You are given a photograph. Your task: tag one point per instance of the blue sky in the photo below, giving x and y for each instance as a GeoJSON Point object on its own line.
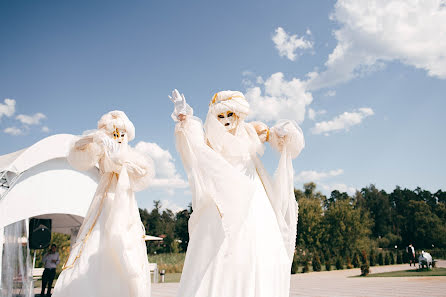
{"type": "Point", "coordinates": [364, 79]}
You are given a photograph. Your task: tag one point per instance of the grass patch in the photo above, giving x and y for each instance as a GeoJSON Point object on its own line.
{"type": "Point", "coordinates": [172, 278]}
{"type": "Point", "coordinates": [412, 272]}
{"type": "Point", "coordinates": [172, 263]}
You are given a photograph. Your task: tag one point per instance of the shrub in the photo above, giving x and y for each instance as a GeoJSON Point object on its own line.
{"type": "Point", "coordinates": [339, 263]}
{"type": "Point", "coordinates": [316, 263]}
{"type": "Point", "coordinates": [365, 268]}
{"type": "Point", "coordinates": [295, 264]}
{"type": "Point", "coordinates": [327, 264]}
{"type": "Point", "coordinates": [349, 263]}
{"type": "Point", "coordinates": [356, 260]}
{"type": "Point", "coordinates": [306, 267]}
{"type": "Point", "coordinates": [387, 259]}
{"type": "Point", "coordinates": [327, 255]}
{"type": "Point", "coordinates": [392, 258]}
{"type": "Point", "coordinates": [380, 259]}
{"type": "Point", "coordinates": [372, 258]}
{"type": "Point", "coordinates": [322, 259]}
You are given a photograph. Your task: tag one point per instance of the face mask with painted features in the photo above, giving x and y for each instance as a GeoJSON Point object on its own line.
{"type": "Point", "coordinates": [120, 136]}
{"type": "Point", "coordinates": [228, 120]}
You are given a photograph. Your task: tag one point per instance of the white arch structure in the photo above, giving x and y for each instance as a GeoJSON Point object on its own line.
{"type": "Point", "coordinates": [38, 182]}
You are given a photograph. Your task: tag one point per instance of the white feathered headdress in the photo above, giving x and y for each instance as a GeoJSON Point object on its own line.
{"type": "Point", "coordinates": [117, 119]}
{"type": "Point", "coordinates": [229, 101]}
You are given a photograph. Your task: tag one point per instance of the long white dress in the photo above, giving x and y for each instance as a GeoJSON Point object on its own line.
{"type": "Point", "coordinates": [109, 257]}
{"type": "Point", "coordinates": [243, 228]}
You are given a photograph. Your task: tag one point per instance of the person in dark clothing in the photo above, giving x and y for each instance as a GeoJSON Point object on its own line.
{"type": "Point", "coordinates": [411, 254]}
{"type": "Point", "coordinates": [50, 262]}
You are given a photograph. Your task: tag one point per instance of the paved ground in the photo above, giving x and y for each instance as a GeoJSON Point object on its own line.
{"type": "Point", "coordinates": [338, 283]}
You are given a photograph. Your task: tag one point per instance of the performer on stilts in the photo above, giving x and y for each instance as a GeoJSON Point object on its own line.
{"type": "Point", "coordinates": [109, 258]}
{"type": "Point", "coordinates": [243, 226]}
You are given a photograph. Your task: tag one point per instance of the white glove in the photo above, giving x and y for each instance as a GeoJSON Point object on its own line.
{"type": "Point", "coordinates": [110, 146]}
{"type": "Point", "coordinates": [281, 130]}
{"type": "Point", "coordinates": [180, 105]}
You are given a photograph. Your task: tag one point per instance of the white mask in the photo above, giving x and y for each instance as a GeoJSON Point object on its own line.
{"type": "Point", "coordinates": [120, 136]}
{"type": "Point", "coordinates": [228, 120]}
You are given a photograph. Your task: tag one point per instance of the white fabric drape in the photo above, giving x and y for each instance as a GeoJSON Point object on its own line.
{"type": "Point", "coordinates": [109, 257]}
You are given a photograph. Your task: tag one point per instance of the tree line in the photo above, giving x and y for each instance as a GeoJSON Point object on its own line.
{"type": "Point", "coordinates": [339, 224]}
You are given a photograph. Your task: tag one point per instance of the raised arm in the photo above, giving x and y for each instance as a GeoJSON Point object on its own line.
{"type": "Point", "coordinates": [189, 134]}
{"type": "Point", "coordinates": [181, 108]}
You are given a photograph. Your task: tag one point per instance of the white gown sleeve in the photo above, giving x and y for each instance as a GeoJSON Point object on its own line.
{"type": "Point", "coordinates": [288, 139]}
{"type": "Point", "coordinates": [140, 169]}
{"type": "Point", "coordinates": [84, 154]}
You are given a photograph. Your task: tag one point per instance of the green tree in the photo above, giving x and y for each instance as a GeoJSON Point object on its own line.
{"type": "Point", "coordinates": [378, 204]}
{"type": "Point", "coordinates": [347, 228]}
{"type": "Point", "coordinates": [372, 258]}
{"type": "Point", "coordinates": [387, 259]}
{"type": "Point", "coordinates": [380, 259]}
{"type": "Point", "coordinates": [339, 263]}
{"type": "Point", "coordinates": [310, 223]}
{"type": "Point", "coordinates": [365, 268]}
{"type": "Point", "coordinates": [327, 264]}
{"type": "Point", "coordinates": [316, 262]}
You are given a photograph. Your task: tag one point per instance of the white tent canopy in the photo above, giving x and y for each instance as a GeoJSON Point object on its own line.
{"type": "Point", "coordinates": [38, 180]}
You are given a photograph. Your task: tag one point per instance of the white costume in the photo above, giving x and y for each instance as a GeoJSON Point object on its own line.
{"type": "Point", "coordinates": [109, 257]}
{"type": "Point", "coordinates": [243, 226]}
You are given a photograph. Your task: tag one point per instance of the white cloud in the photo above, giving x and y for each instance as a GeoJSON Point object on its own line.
{"type": "Point", "coordinates": [7, 108]}
{"type": "Point", "coordinates": [373, 32]}
{"type": "Point", "coordinates": [167, 204]}
{"type": "Point", "coordinates": [313, 113]}
{"type": "Point", "coordinates": [13, 131]}
{"type": "Point", "coordinates": [320, 177]}
{"type": "Point", "coordinates": [314, 176]}
{"type": "Point", "coordinates": [340, 187]}
{"type": "Point", "coordinates": [31, 120]}
{"type": "Point", "coordinates": [330, 93]}
{"type": "Point", "coordinates": [166, 174]}
{"type": "Point", "coordinates": [343, 121]}
{"type": "Point", "coordinates": [280, 99]}
{"type": "Point", "coordinates": [45, 129]}
{"type": "Point", "coordinates": [288, 44]}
